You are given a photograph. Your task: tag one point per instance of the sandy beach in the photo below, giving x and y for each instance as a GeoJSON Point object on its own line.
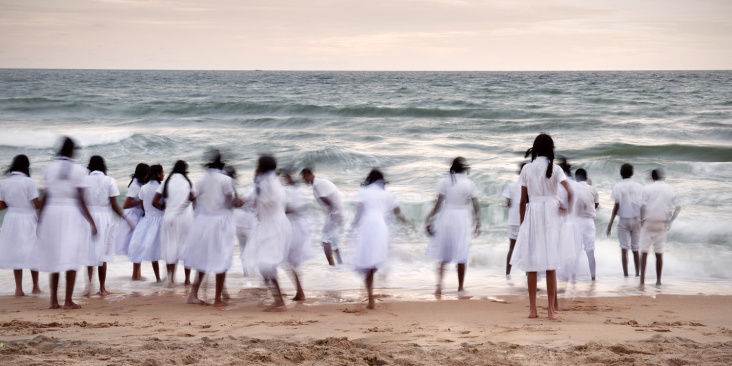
{"type": "Point", "coordinates": [160, 329]}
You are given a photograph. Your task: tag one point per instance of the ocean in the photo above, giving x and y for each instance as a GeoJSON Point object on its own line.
{"type": "Point", "coordinates": [411, 125]}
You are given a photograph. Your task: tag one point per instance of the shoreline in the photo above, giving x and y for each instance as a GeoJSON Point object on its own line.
{"type": "Point", "coordinates": [162, 329]}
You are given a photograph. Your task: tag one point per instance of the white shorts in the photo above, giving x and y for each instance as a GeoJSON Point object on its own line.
{"type": "Point", "coordinates": [332, 230]}
{"type": "Point", "coordinates": [586, 227]}
{"type": "Point", "coordinates": [513, 231]}
{"type": "Point", "coordinates": [654, 235]}
{"type": "Point", "coordinates": [629, 233]}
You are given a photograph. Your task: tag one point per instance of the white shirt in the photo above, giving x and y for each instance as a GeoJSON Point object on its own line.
{"type": "Point", "coordinates": [376, 200]}
{"type": "Point", "coordinates": [178, 194]}
{"type": "Point", "coordinates": [659, 201]}
{"type": "Point", "coordinates": [99, 188]}
{"type": "Point", "coordinates": [62, 179]}
{"type": "Point", "coordinates": [513, 193]}
{"type": "Point", "coordinates": [628, 195]}
{"type": "Point", "coordinates": [18, 191]}
{"type": "Point", "coordinates": [147, 194]}
{"type": "Point", "coordinates": [533, 177]}
{"type": "Point", "coordinates": [212, 191]}
{"type": "Point", "coordinates": [586, 198]}
{"type": "Point", "coordinates": [323, 188]}
{"type": "Point", "coordinates": [458, 190]}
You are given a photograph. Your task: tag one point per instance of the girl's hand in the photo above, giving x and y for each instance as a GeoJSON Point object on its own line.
{"type": "Point", "coordinates": [94, 229]}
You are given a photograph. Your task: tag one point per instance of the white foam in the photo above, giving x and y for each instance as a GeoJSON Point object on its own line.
{"type": "Point", "coordinates": [48, 139]}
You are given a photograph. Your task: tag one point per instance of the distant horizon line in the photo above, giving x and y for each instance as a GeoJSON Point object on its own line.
{"type": "Point", "coordinates": [325, 70]}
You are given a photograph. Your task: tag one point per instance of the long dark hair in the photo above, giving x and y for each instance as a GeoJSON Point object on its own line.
{"type": "Point", "coordinates": [155, 170]}
{"type": "Point", "coordinates": [67, 147]}
{"type": "Point", "coordinates": [97, 163]}
{"type": "Point", "coordinates": [20, 164]}
{"type": "Point", "coordinates": [180, 167]}
{"type": "Point", "coordinates": [374, 176]}
{"type": "Point", "coordinates": [459, 165]}
{"type": "Point", "coordinates": [141, 172]}
{"type": "Point", "coordinates": [543, 146]}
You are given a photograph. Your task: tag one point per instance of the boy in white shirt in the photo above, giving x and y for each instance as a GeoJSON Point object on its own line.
{"type": "Point", "coordinates": [627, 196]}
{"type": "Point", "coordinates": [585, 204]}
{"type": "Point", "coordinates": [512, 192]}
{"type": "Point", "coordinates": [329, 197]}
{"type": "Point", "coordinates": [659, 210]}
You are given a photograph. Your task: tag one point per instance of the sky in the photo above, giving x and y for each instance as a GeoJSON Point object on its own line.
{"type": "Point", "coordinates": [367, 34]}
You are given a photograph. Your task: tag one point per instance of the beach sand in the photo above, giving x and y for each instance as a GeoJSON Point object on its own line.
{"type": "Point", "coordinates": [160, 329]}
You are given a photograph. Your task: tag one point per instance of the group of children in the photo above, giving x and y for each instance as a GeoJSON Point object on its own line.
{"type": "Point", "coordinates": [551, 219]}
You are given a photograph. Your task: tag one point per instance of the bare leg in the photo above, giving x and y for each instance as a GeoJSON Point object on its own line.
{"type": "Point", "coordinates": [510, 253]}
{"type": "Point", "coordinates": [193, 295]}
{"type": "Point", "coordinates": [102, 271]}
{"type": "Point", "coordinates": [370, 288]}
{"type": "Point", "coordinates": [300, 295]}
{"type": "Point", "coordinates": [461, 276]}
{"type": "Point", "coordinates": [220, 277]}
{"type": "Point", "coordinates": [328, 253]}
{"type": "Point", "coordinates": [136, 272]}
{"type": "Point", "coordinates": [644, 259]}
{"type": "Point", "coordinates": [338, 256]}
{"type": "Point", "coordinates": [53, 284]}
{"type": "Point", "coordinates": [171, 275]}
{"type": "Point", "coordinates": [440, 275]}
{"type": "Point", "coordinates": [18, 274]}
{"type": "Point", "coordinates": [156, 269]}
{"type": "Point", "coordinates": [551, 284]}
{"type": "Point", "coordinates": [659, 267]}
{"type": "Point", "coordinates": [591, 261]}
{"type": "Point", "coordinates": [187, 271]}
{"type": "Point", "coordinates": [279, 304]}
{"type": "Point", "coordinates": [90, 273]}
{"type": "Point", "coordinates": [36, 288]}
{"type": "Point", "coordinates": [624, 257]}
{"type": "Point", "coordinates": [532, 294]}
{"type": "Point", "coordinates": [635, 261]}
{"type": "Point", "coordinates": [70, 281]}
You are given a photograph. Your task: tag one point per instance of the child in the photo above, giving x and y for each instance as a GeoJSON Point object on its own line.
{"type": "Point", "coordinates": [145, 242]}
{"type": "Point", "coordinates": [659, 210]}
{"type": "Point", "coordinates": [300, 248]}
{"type": "Point", "coordinates": [18, 193]}
{"type": "Point", "coordinates": [452, 231]}
{"type": "Point", "coordinates": [329, 197]}
{"type": "Point", "coordinates": [537, 245]}
{"type": "Point", "coordinates": [627, 196]}
{"type": "Point", "coordinates": [175, 197]}
{"type": "Point", "coordinates": [512, 193]}
{"type": "Point", "coordinates": [585, 204]}
{"type": "Point", "coordinates": [375, 205]}
{"type": "Point", "coordinates": [101, 199]}
{"type": "Point", "coordinates": [133, 213]}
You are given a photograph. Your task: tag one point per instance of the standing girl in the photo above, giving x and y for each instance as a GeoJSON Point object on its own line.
{"type": "Point", "coordinates": [133, 213]}
{"type": "Point", "coordinates": [18, 193]}
{"type": "Point", "coordinates": [452, 231]}
{"type": "Point", "coordinates": [175, 197]}
{"type": "Point", "coordinates": [537, 245]}
{"type": "Point", "coordinates": [300, 245]}
{"type": "Point", "coordinates": [145, 242]}
{"type": "Point", "coordinates": [61, 225]}
{"type": "Point", "coordinates": [100, 196]}
{"type": "Point", "coordinates": [375, 205]}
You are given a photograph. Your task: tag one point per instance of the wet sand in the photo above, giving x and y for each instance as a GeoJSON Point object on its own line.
{"type": "Point", "coordinates": [160, 329]}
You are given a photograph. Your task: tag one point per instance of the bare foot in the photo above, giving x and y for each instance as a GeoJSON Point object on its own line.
{"type": "Point", "coordinates": [371, 305]}
{"type": "Point", "coordinates": [276, 308]}
{"type": "Point", "coordinates": [438, 292]}
{"type": "Point", "coordinates": [171, 285]}
{"type": "Point", "coordinates": [19, 293]}
{"type": "Point", "coordinates": [195, 301]}
{"type": "Point", "coordinates": [220, 304]}
{"type": "Point", "coordinates": [187, 283]}
{"type": "Point", "coordinates": [37, 291]}
{"type": "Point", "coordinates": [104, 293]}
{"type": "Point", "coordinates": [54, 306]}
{"type": "Point", "coordinates": [658, 284]}
{"type": "Point", "coordinates": [71, 305]}
{"type": "Point", "coordinates": [299, 297]}
{"type": "Point", "coordinates": [552, 315]}
{"type": "Point", "coordinates": [532, 314]}
{"type": "Point", "coordinates": [225, 295]}
{"type": "Point", "coordinates": [139, 278]}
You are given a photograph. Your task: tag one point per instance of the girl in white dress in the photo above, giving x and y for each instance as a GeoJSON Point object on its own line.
{"type": "Point", "coordinates": [210, 243]}
{"type": "Point", "coordinates": [133, 213]}
{"type": "Point", "coordinates": [18, 193]}
{"type": "Point", "coordinates": [145, 242]}
{"type": "Point", "coordinates": [300, 245]}
{"type": "Point", "coordinates": [100, 196]}
{"type": "Point", "coordinates": [538, 245]}
{"type": "Point", "coordinates": [269, 245]}
{"type": "Point", "coordinates": [370, 225]}
{"type": "Point", "coordinates": [452, 231]}
{"type": "Point", "coordinates": [61, 225]}
{"type": "Point", "coordinates": [175, 198]}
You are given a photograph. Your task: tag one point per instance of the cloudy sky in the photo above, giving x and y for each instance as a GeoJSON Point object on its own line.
{"type": "Point", "coordinates": [367, 34]}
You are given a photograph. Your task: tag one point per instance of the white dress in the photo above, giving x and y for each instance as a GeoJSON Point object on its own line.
{"type": "Point", "coordinates": [453, 226]}
{"type": "Point", "coordinates": [537, 246]}
{"type": "Point", "coordinates": [570, 243]}
{"type": "Point", "coordinates": [18, 232]}
{"type": "Point", "coordinates": [177, 219]}
{"type": "Point", "coordinates": [62, 227]}
{"type": "Point", "coordinates": [245, 218]}
{"type": "Point", "coordinates": [269, 245]}
{"type": "Point", "coordinates": [145, 242]}
{"type": "Point", "coordinates": [134, 214]}
{"type": "Point", "coordinates": [372, 232]}
{"type": "Point", "coordinates": [300, 246]}
{"type": "Point", "coordinates": [210, 244]}
{"type": "Point", "coordinates": [99, 248]}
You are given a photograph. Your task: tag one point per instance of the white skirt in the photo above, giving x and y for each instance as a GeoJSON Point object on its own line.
{"type": "Point", "coordinates": [300, 247]}
{"type": "Point", "coordinates": [17, 235]}
{"type": "Point", "coordinates": [245, 222]}
{"type": "Point", "coordinates": [145, 242]}
{"type": "Point", "coordinates": [268, 247]}
{"type": "Point", "coordinates": [124, 231]}
{"type": "Point", "coordinates": [537, 245]}
{"type": "Point", "coordinates": [61, 234]}
{"type": "Point", "coordinates": [99, 248]}
{"type": "Point", "coordinates": [173, 234]}
{"type": "Point", "coordinates": [451, 242]}
{"type": "Point", "coordinates": [371, 243]}
{"type": "Point", "coordinates": [210, 244]}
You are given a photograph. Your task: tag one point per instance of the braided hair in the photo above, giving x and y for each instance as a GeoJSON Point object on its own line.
{"type": "Point", "coordinates": [543, 146]}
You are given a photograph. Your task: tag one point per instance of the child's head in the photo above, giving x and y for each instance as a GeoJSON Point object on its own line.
{"type": "Point", "coordinates": [142, 170]}
{"type": "Point", "coordinates": [580, 175]}
{"type": "Point", "coordinates": [96, 163]}
{"type": "Point", "coordinates": [266, 164]}
{"type": "Point", "coordinates": [67, 148]}
{"type": "Point", "coordinates": [565, 165]}
{"type": "Point", "coordinates": [231, 172]}
{"type": "Point", "coordinates": [307, 175]}
{"type": "Point", "coordinates": [626, 171]}
{"type": "Point", "coordinates": [180, 167]}
{"type": "Point", "coordinates": [156, 173]}
{"type": "Point", "coordinates": [20, 164]}
{"type": "Point", "coordinates": [374, 176]}
{"type": "Point", "coordinates": [459, 165]}
{"type": "Point", "coordinates": [215, 160]}
{"type": "Point", "coordinates": [658, 174]}
{"type": "Point", "coordinates": [543, 146]}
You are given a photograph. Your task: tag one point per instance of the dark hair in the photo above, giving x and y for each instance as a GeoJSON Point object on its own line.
{"type": "Point", "coordinates": [459, 165]}
{"type": "Point", "coordinates": [626, 171]}
{"type": "Point", "coordinates": [155, 170]}
{"type": "Point", "coordinates": [565, 165]}
{"type": "Point", "coordinates": [521, 167]}
{"type": "Point", "coordinates": [266, 164]}
{"type": "Point", "coordinates": [97, 163]}
{"type": "Point", "coordinates": [67, 148]}
{"type": "Point", "coordinates": [231, 172]}
{"type": "Point", "coordinates": [658, 174]}
{"type": "Point", "coordinates": [215, 160]}
{"type": "Point", "coordinates": [374, 175]}
{"type": "Point", "coordinates": [141, 172]}
{"type": "Point", "coordinates": [20, 164]}
{"type": "Point", "coordinates": [543, 146]}
{"type": "Point", "coordinates": [306, 171]}
{"type": "Point", "coordinates": [580, 175]}
{"type": "Point", "coordinates": [180, 167]}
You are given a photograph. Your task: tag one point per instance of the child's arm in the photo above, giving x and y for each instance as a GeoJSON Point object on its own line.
{"type": "Point", "coordinates": [612, 218]}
